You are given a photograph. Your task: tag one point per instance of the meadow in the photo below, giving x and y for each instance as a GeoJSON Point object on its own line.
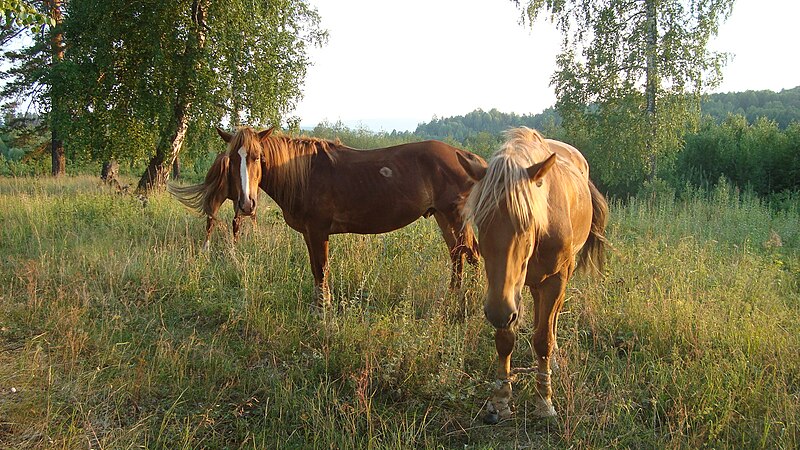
{"type": "Point", "coordinates": [117, 332]}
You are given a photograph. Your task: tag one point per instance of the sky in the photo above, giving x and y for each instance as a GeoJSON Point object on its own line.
{"type": "Point", "coordinates": [394, 64]}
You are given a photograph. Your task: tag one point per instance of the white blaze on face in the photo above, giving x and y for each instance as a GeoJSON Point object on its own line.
{"type": "Point", "coordinates": [243, 173]}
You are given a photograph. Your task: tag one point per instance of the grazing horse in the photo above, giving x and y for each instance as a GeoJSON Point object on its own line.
{"type": "Point", "coordinates": [208, 196]}
{"type": "Point", "coordinates": [325, 188]}
{"type": "Point", "coordinates": [535, 210]}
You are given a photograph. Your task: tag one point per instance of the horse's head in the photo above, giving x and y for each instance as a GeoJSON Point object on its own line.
{"type": "Point", "coordinates": [502, 207]}
{"type": "Point", "coordinates": [245, 153]}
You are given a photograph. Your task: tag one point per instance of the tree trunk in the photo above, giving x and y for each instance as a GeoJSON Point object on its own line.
{"type": "Point", "coordinates": [59, 160]}
{"type": "Point", "coordinates": [158, 169]}
{"type": "Point", "coordinates": [176, 169]}
{"type": "Point", "coordinates": [157, 172]}
{"type": "Point", "coordinates": [235, 119]}
{"type": "Point", "coordinates": [59, 167]}
{"type": "Point", "coordinates": [652, 84]}
{"type": "Point", "coordinates": [110, 171]}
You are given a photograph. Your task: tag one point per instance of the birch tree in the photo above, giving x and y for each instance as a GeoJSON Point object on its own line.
{"type": "Point", "coordinates": [630, 75]}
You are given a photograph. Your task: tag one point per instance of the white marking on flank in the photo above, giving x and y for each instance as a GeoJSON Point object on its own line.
{"type": "Point", "coordinates": [385, 171]}
{"type": "Point", "coordinates": [243, 173]}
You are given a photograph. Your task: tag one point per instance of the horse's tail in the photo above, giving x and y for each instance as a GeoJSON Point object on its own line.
{"type": "Point", "coordinates": [199, 197]}
{"type": "Point", "coordinates": [593, 254]}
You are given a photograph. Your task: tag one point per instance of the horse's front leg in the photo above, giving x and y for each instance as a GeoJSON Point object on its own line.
{"type": "Point", "coordinates": [553, 360]}
{"type": "Point", "coordinates": [550, 298]}
{"type": "Point", "coordinates": [499, 407]}
{"type": "Point", "coordinates": [460, 242]}
{"type": "Point", "coordinates": [317, 244]}
{"type": "Point", "coordinates": [237, 225]}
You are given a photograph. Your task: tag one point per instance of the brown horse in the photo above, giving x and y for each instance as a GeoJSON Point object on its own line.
{"type": "Point", "coordinates": [325, 188]}
{"type": "Point", "coordinates": [535, 210]}
{"type": "Point", "coordinates": [208, 196]}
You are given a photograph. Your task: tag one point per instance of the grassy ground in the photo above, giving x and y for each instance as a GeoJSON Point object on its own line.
{"type": "Point", "coordinates": [116, 331]}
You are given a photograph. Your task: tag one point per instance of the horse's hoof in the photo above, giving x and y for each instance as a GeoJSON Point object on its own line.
{"type": "Point", "coordinates": [491, 418]}
{"type": "Point", "coordinates": [545, 412]}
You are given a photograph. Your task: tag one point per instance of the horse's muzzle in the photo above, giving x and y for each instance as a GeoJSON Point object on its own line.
{"type": "Point", "coordinates": [500, 316]}
{"type": "Point", "coordinates": [247, 206]}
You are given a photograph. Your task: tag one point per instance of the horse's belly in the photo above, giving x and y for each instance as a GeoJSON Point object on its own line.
{"type": "Point", "coordinates": [374, 222]}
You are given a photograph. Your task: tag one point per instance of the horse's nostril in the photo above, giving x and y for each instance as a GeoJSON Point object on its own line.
{"type": "Point", "coordinates": [246, 206]}
{"type": "Point", "coordinates": [512, 319]}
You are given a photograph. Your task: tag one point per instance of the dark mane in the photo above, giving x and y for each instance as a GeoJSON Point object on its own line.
{"type": "Point", "coordinates": [287, 162]}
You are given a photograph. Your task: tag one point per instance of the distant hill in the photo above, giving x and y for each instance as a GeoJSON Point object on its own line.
{"type": "Point", "coordinates": [783, 107]}
{"type": "Point", "coordinates": [494, 122]}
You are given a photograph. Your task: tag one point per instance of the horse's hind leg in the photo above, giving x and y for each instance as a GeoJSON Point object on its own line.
{"type": "Point", "coordinates": [209, 227]}
{"type": "Point", "coordinates": [469, 243]}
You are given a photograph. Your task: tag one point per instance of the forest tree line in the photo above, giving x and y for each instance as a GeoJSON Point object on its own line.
{"type": "Point", "coordinates": [759, 152]}
{"type": "Point", "coordinates": [750, 138]}
{"type": "Point", "coordinates": [781, 107]}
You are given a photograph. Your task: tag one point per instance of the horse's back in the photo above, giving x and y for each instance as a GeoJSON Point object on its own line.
{"type": "Point", "coordinates": [571, 154]}
{"type": "Point", "coordinates": [430, 165]}
{"type": "Point", "coordinates": [379, 190]}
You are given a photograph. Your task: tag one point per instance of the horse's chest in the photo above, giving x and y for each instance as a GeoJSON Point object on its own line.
{"type": "Point", "coordinates": [548, 258]}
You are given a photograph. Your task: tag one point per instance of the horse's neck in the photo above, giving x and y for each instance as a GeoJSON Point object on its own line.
{"type": "Point", "coordinates": [289, 198]}
{"type": "Point", "coordinates": [277, 194]}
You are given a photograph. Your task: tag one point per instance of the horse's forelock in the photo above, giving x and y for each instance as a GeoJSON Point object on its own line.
{"type": "Point", "coordinates": [245, 138]}
{"type": "Point", "coordinates": [507, 181]}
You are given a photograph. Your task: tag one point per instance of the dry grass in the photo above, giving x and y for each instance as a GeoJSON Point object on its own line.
{"type": "Point", "coordinates": [117, 332]}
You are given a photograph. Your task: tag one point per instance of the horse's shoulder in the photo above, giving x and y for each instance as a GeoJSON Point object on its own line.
{"type": "Point", "coordinates": [552, 251]}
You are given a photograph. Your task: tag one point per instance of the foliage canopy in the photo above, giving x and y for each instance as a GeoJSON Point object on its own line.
{"type": "Point", "coordinates": [127, 63]}
{"type": "Point", "coordinates": [640, 66]}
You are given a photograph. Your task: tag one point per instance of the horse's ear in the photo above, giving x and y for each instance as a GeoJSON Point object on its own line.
{"type": "Point", "coordinates": [265, 134]}
{"type": "Point", "coordinates": [473, 165]}
{"type": "Point", "coordinates": [224, 135]}
{"type": "Point", "coordinates": [538, 170]}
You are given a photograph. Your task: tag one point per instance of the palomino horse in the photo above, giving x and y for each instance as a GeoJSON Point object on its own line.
{"type": "Point", "coordinates": [535, 210]}
{"type": "Point", "coordinates": [325, 188]}
{"type": "Point", "coordinates": [209, 195]}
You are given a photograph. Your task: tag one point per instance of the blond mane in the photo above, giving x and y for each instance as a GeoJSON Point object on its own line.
{"type": "Point", "coordinates": [507, 182]}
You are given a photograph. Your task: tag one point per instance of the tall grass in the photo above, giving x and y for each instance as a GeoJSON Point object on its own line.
{"type": "Point", "coordinates": [116, 331]}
